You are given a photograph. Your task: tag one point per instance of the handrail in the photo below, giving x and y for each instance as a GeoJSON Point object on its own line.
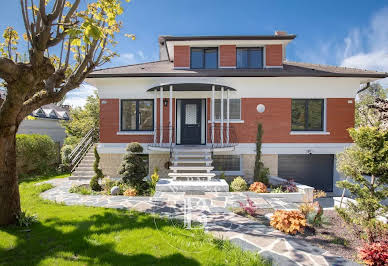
{"type": "Point", "coordinates": [83, 147]}
{"type": "Point", "coordinates": [224, 142]}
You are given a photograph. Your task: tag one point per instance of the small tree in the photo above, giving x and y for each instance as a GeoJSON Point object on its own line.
{"type": "Point", "coordinates": [133, 168]}
{"type": "Point", "coordinates": [366, 164]}
{"type": "Point", "coordinates": [260, 173]}
{"type": "Point", "coordinates": [94, 185]}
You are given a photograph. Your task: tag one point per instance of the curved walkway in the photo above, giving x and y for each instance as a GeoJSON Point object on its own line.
{"type": "Point", "coordinates": [212, 211]}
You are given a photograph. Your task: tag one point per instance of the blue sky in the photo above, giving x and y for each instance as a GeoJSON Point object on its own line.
{"type": "Point", "coordinates": [344, 33]}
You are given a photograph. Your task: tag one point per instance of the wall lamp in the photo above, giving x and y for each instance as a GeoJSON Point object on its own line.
{"type": "Point", "coordinates": [165, 102]}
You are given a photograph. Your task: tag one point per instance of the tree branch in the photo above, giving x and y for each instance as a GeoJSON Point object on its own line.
{"type": "Point", "coordinates": [365, 88]}
{"type": "Point", "coordinates": [8, 69]}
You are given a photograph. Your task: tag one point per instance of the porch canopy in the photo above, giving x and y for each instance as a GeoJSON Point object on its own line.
{"type": "Point", "coordinates": [193, 87]}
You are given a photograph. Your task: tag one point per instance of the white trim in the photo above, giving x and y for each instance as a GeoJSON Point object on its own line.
{"type": "Point", "coordinates": [309, 133]}
{"type": "Point", "coordinates": [222, 116]}
{"type": "Point", "coordinates": [135, 133]}
{"type": "Point", "coordinates": [264, 56]}
{"type": "Point", "coordinates": [170, 117]}
{"type": "Point", "coordinates": [155, 113]}
{"type": "Point", "coordinates": [161, 116]}
{"type": "Point", "coordinates": [325, 115]}
{"type": "Point", "coordinates": [274, 66]}
{"type": "Point", "coordinates": [231, 121]}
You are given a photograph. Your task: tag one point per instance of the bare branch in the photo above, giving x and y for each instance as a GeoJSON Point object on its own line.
{"type": "Point", "coordinates": [25, 19]}
{"type": "Point", "coordinates": [72, 10]}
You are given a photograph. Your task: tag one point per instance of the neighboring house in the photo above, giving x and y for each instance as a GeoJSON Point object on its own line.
{"type": "Point", "coordinates": [305, 109]}
{"type": "Point", "coordinates": [46, 121]}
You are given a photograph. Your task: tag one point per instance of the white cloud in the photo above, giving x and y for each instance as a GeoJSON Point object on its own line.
{"type": "Point", "coordinates": [128, 58]}
{"type": "Point", "coordinates": [77, 97]}
{"type": "Point", "coordinates": [141, 55]}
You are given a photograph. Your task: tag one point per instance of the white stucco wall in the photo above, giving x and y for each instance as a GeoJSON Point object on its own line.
{"type": "Point", "coordinates": [50, 127]}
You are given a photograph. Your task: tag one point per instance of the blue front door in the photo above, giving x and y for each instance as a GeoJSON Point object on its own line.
{"type": "Point", "coordinates": [191, 122]}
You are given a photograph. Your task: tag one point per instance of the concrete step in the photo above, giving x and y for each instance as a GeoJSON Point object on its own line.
{"type": "Point", "coordinates": [191, 149]}
{"type": "Point", "coordinates": [191, 155]}
{"type": "Point", "coordinates": [82, 173]}
{"type": "Point", "coordinates": [80, 177]}
{"type": "Point", "coordinates": [180, 161]}
{"type": "Point", "coordinates": [191, 168]}
{"type": "Point", "coordinates": [207, 176]}
{"type": "Point", "coordinates": [84, 168]}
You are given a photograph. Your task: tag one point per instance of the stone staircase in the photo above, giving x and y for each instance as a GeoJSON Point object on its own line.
{"type": "Point", "coordinates": [84, 170]}
{"type": "Point", "coordinates": [191, 163]}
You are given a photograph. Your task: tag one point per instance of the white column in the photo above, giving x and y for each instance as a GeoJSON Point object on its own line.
{"type": "Point", "coordinates": [212, 113]}
{"type": "Point", "coordinates": [161, 116]}
{"type": "Point", "coordinates": [227, 116]}
{"type": "Point", "coordinates": [155, 113]}
{"type": "Point", "coordinates": [170, 117]}
{"type": "Point", "coordinates": [222, 117]}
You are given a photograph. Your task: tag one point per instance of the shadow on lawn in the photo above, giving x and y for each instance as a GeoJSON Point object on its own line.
{"type": "Point", "coordinates": [77, 241]}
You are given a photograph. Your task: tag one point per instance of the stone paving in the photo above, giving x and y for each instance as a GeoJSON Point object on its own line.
{"type": "Point", "coordinates": [212, 210]}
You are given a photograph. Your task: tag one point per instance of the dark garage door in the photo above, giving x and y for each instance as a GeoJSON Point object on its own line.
{"type": "Point", "coordinates": [314, 170]}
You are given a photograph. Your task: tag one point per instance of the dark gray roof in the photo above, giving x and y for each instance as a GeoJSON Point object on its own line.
{"type": "Point", "coordinates": [228, 37]}
{"type": "Point", "coordinates": [290, 69]}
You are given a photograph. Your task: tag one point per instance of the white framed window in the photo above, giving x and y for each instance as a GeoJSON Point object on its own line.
{"type": "Point", "coordinates": [227, 163]}
{"type": "Point", "coordinates": [234, 106]}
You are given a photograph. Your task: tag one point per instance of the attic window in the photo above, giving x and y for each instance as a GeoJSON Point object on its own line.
{"type": "Point", "coordinates": [251, 57]}
{"type": "Point", "coordinates": [204, 58]}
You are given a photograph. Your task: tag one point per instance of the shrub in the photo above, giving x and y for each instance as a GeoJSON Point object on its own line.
{"type": "Point", "coordinates": [65, 153]}
{"type": "Point", "coordinates": [365, 163]}
{"type": "Point", "coordinates": [374, 253]}
{"type": "Point", "coordinates": [289, 186]}
{"type": "Point", "coordinates": [107, 184]}
{"type": "Point", "coordinates": [258, 187]}
{"type": "Point", "coordinates": [25, 220]}
{"type": "Point", "coordinates": [277, 190]}
{"type": "Point", "coordinates": [239, 184]}
{"type": "Point", "coordinates": [80, 190]}
{"type": "Point", "coordinates": [250, 208]}
{"type": "Point", "coordinates": [94, 185]}
{"type": "Point", "coordinates": [260, 172]}
{"type": "Point", "coordinates": [130, 192]}
{"type": "Point", "coordinates": [154, 180]}
{"type": "Point", "coordinates": [133, 168]}
{"type": "Point", "coordinates": [289, 222]}
{"type": "Point", "coordinates": [35, 153]}
{"type": "Point", "coordinates": [307, 207]}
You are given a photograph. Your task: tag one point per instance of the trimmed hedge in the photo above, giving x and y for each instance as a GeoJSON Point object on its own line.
{"type": "Point", "coordinates": [35, 153]}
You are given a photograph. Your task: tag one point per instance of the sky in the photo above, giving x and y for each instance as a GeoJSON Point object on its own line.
{"type": "Point", "coordinates": [335, 32]}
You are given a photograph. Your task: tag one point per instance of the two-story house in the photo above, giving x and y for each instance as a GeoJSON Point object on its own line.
{"type": "Point", "coordinates": [210, 93]}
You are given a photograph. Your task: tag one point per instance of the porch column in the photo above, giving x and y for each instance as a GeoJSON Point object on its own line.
{"type": "Point", "coordinates": [155, 113]}
{"type": "Point", "coordinates": [222, 117]}
{"type": "Point", "coordinates": [170, 117]}
{"type": "Point", "coordinates": [227, 116]}
{"type": "Point", "coordinates": [161, 116]}
{"type": "Point", "coordinates": [212, 112]}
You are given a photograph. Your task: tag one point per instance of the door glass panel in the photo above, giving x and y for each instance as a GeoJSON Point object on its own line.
{"type": "Point", "coordinates": [191, 114]}
{"type": "Point", "coordinates": [128, 115]}
{"type": "Point", "coordinates": [145, 115]}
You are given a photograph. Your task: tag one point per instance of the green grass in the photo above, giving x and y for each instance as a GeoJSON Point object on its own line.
{"type": "Point", "coordinates": [78, 235]}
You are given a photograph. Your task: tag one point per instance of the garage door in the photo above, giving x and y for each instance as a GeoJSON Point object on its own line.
{"type": "Point", "coordinates": [314, 170]}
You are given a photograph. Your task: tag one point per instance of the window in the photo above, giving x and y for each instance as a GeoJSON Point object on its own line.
{"type": "Point", "coordinates": [307, 115]}
{"type": "Point", "coordinates": [234, 109]}
{"type": "Point", "coordinates": [204, 58]}
{"type": "Point", "coordinates": [137, 115]}
{"type": "Point", "coordinates": [226, 163]}
{"type": "Point", "coordinates": [249, 57]}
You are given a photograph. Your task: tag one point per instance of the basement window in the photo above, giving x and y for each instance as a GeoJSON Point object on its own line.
{"type": "Point", "coordinates": [226, 163]}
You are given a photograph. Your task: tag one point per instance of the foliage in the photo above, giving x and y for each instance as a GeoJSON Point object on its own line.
{"type": "Point", "coordinates": [81, 235]}
{"type": "Point", "coordinates": [380, 107]}
{"type": "Point", "coordinates": [289, 222]}
{"type": "Point", "coordinates": [37, 153]}
{"type": "Point", "coordinates": [278, 189]}
{"type": "Point", "coordinates": [248, 208]}
{"type": "Point", "coordinates": [107, 184]}
{"type": "Point", "coordinates": [81, 190]}
{"type": "Point", "coordinates": [374, 253]}
{"type": "Point", "coordinates": [25, 220]}
{"type": "Point", "coordinates": [239, 184]}
{"type": "Point", "coordinates": [258, 187]}
{"type": "Point", "coordinates": [154, 180]}
{"type": "Point", "coordinates": [318, 194]}
{"type": "Point", "coordinates": [130, 192]}
{"type": "Point", "coordinates": [94, 185]}
{"type": "Point", "coordinates": [82, 119]}
{"type": "Point", "coordinates": [289, 186]}
{"type": "Point", "coordinates": [366, 164]}
{"type": "Point", "coordinates": [133, 168]}
{"type": "Point", "coordinates": [222, 175]}
{"type": "Point", "coordinates": [260, 172]}
{"type": "Point", "coordinates": [313, 210]}
{"type": "Point", "coordinates": [366, 116]}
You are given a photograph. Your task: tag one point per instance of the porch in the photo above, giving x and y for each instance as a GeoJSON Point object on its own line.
{"type": "Point", "coordinates": [192, 117]}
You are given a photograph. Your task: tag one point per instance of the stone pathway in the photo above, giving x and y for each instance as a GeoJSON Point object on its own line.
{"type": "Point", "coordinates": [212, 210]}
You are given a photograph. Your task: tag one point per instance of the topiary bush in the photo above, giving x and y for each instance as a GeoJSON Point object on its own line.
{"type": "Point", "coordinates": [290, 222]}
{"type": "Point", "coordinates": [133, 168]}
{"type": "Point", "coordinates": [258, 187]}
{"type": "Point", "coordinates": [94, 185]}
{"type": "Point", "coordinates": [35, 153]}
{"type": "Point", "coordinates": [239, 184]}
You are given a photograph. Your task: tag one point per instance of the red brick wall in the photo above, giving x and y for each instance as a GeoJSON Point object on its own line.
{"type": "Point", "coordinates": [274, 55]}
{"type": "Point", "coordinates": [227, 55]}
{"type": "Point", "coordinates": [276, 122]}
{"type": "Point", "coordinates": [181, 56]}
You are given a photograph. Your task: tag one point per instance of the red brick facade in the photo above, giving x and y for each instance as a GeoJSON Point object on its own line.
{"type": "Point", "coordinates": [228, 56]}
{"type": "Point", "coordinates": [276, 122]}
{"type": "Point", "coordinates": [274, 55]}
{"type": "Point", "coordinates": [182, 56]}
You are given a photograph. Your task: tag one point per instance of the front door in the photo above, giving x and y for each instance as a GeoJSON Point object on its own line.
{"type": "Point", "coordinates": [191, 121]}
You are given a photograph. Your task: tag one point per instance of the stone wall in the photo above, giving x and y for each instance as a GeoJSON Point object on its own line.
{"type": "Point", "coordinates": [159, 160]}
{"type": "Point", "coordinates": [248, 165]}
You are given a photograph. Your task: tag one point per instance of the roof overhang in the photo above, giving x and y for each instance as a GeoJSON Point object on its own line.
{"type": "Point", "coordinates": [191, 87]}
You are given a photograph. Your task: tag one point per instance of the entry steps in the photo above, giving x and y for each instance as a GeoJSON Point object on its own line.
{"type": "Point", "coordinates": [84, 169]}
{"type": "Point", "coordinates": [188, 163]}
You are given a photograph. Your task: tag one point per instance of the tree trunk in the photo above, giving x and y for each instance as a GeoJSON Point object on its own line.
{"type": "Point", "coordinates": [9, 188]}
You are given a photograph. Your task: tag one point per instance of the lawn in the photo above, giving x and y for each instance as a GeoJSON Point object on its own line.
{"type": "Point", "coordinates": [77, 235]}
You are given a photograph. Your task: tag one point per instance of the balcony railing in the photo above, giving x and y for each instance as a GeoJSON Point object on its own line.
{"type": "Point", "coordinates": [222, 136]}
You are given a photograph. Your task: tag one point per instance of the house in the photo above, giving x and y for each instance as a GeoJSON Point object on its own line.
{"type": "Point", "coordinates": [210, 93]}
{"type": "Point", "coordinates": [46, 121]}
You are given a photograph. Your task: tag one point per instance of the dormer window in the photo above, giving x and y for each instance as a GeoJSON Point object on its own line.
{"type": "Point", "coordinates": [204, 58]}
{"type": "Point", "coordinates": [251, 57]}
